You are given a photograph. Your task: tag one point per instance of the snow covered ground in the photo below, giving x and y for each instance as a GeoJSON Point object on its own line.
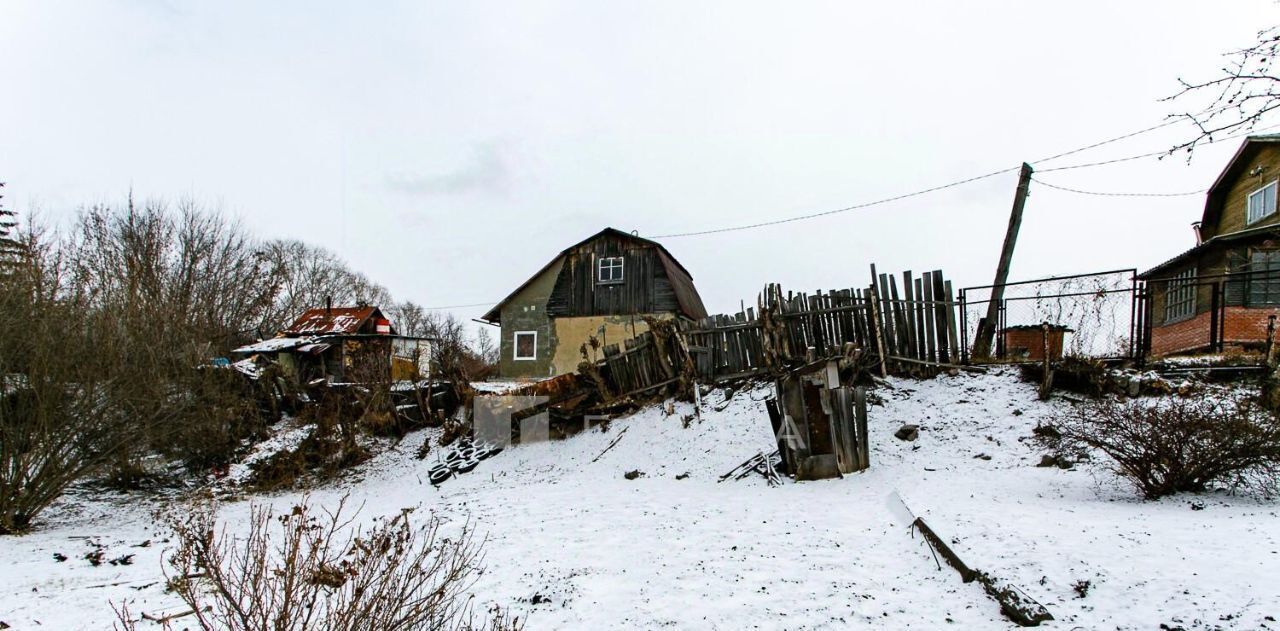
{"type": "Point", "coordinates": [573, 544]}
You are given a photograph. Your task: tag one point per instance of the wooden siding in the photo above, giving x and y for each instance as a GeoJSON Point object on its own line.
{"type": "Point", "coordinates": [645, 287]}
{"type": "Point", "coordinates": [1234, 214]}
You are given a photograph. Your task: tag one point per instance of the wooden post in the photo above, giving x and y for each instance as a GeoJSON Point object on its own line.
{"type": "Point", "coordinates": [987, 326]}
{"type": "Point", "coordinates": [875, 319]}
{"type": "Point", "coordinates": [1046, 380]}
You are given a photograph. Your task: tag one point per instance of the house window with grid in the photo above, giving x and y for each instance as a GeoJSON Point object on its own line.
{"type": "Point", "coordinates": [1264, 278]}
{"type": "Point", "coordinates": [1180, 297]}
{"type": "Point", "coordinates": [610, 270]}
{"type": "Point", "coordinates": [1262, 202]}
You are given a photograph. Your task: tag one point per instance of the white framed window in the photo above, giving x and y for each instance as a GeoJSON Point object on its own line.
{"type": "Point", "coordinates": [525, 346]}
{"type": "Point", "coordinates": [1180, 296]}
{"type": "Point", "coordinates": [1262, 202]}
{"type": "Point", "coordinates": [609, 269]}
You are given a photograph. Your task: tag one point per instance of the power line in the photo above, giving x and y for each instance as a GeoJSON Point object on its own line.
{"type": "Point", "coordinates": [895, 198]}
{"type": "Point", "coordinates": [966, 181]}
{"type": "Point", "coordinates": [446, 307]}
{"type": "Point", "coordinates": [838, 210]}
{"type": "Point", "coordinates": [1111, 140]}
{"type": "Point", "coordinates": [1140, 156]}
{"type": "Point", "coordinates": [1173, 120]}
{"type": "Point", "coordinates": [1107, 194]}
{"type": "Point", "coordinates": [1104, 162]}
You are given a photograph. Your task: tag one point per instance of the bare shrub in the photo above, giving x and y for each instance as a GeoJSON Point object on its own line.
{"type": "Point", "coordinates": [55, 424]}
{"type": "Point", "coordinates": [1178, 444]}
{"type": "Point", "coordinates": [332, 445]}
{"type": "Point", "coordinates": [313, 569]}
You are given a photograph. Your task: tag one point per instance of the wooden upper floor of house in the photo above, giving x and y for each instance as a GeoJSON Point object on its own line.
{"type": "Point", "coordinates": [1245, 194]}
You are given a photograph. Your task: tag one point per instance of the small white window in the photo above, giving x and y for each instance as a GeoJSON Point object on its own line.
{"type": "Point", "coordinates": [1262, 202]}
{"type": "Point", "coordinates": [610, 269]}
{"type": "Point", "coordinates": [526, 345]}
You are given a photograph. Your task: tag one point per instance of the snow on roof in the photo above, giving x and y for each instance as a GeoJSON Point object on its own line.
{"type": "Point", "coordinates": [272, 345]}
{"type": "Point", "coordinates": [248, 368]}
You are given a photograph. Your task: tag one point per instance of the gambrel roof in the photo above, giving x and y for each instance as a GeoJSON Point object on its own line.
{"type": "Point", "coordinates": [681, 280]}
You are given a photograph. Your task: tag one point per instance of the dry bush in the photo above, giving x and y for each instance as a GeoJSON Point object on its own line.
{"type": "Point", "coordinates": [333, 445]}
{"type": "Point", "coordinates": [312, 569]}
{"type": "Point", "coordinates": [1178, 444]}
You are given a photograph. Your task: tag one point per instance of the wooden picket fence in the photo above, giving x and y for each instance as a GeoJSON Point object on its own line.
{"type": "Point", "coordinates": [912, 332]}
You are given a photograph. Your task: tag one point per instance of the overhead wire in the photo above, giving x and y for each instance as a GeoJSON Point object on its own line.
{"type": "Point", "coordinates": [933, 189]}
{"type": "Point", "coordinates": [877, 202]}
{"type": "Point", "coordinates": [1113, 194]}
{"type": "Point", "coordinates": [940, 187]}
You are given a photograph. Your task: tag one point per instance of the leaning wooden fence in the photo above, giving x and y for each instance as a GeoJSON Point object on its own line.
{"type": "Point", "coordinates": [909, 331]}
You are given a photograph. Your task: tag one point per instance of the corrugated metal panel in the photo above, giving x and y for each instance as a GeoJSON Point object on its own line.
{"type": "Point", "coordinates": [337, 320]}
{"type": "Point", "coordinates": [272, 345]}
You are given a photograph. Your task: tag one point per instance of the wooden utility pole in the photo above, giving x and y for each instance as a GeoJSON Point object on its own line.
{"type": "Point", "coordinates": [987, 325]}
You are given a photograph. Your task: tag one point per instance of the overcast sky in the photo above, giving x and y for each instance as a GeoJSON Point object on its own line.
{"type": "Point", "coordinates": [449, 149]}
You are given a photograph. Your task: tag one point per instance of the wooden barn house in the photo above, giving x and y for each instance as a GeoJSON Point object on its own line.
{"type": "Point", "coordinates": [341, 345]}
{"type": "Point", "coordinates": [1222, 291]}
{"type": "Point", "coordinates": [603, 288]}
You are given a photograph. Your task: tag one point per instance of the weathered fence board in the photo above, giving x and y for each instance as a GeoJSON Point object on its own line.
{"type": "Point", "coordinates": [916, 326]}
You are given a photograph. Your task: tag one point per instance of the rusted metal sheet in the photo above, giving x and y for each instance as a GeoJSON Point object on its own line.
{"type": "Point", "coordinates": [337, 320]}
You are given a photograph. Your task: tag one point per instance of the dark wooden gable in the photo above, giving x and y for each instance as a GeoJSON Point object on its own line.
{"type": "Point", "coordinates": [645, 286]}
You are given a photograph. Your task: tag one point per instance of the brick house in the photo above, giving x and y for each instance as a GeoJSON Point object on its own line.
{"type": "Point", "coordinates": [1223, 291]}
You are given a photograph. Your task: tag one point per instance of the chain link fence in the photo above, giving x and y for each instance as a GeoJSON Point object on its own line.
{"type": "Point", "coordinates": [1098, 313]}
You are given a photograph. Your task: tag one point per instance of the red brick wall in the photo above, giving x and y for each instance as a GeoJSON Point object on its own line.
{"type": "Point", "coordinates": [1248, 324]}
{"type": "Point", "coordinates": [1243, 325]}
{"type": "Point", "coordinates": [1032, 340]}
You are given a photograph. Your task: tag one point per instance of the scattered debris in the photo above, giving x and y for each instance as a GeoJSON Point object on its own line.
{"type": "Point", "coordinates": [59, 557]}
{"type": "Point", "coordinates": [1046, 431]}
{"type": "Point", "coordinates": [94, 557]}
{"type": "Point", "coordinates": [164, 619]}
{"type": "Point", "coordinates": [820, 424]}
{"type": "Point", "coordinates": [907, 432]}
{"type": "Point", "coordinates": [611, 444]}
{"type": "Point", "coordinates": [463, 459]}
{"type": "Point", "coordinates": [766, 465]}
{"type": "Point", "coordinates": [1059, 461]}
{"type": "Point", "coordinates": [1081, 588]}
{"type": "Point", "coordinates": [1014, 603]}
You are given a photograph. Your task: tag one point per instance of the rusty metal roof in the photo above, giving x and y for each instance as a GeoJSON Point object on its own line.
{"type": "Point", "coordinates": [336, 320]}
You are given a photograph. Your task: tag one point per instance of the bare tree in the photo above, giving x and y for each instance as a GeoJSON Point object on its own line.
{"type": "Point", "coordinates": [1237, 98]}
{"type": "Point", "coordinates": [56, 424]}
{"type": "Point", "coordinates": [306, 277]}
{"type": "Point", "coordinates": [409, 318]}
{"type": "Point", "coordinates": [487, 348]}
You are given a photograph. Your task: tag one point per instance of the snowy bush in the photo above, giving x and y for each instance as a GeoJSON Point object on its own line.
{"type": "Point", "coordinates": [1178, 444]}
{"type": "Point", "coordinates": [310, 568]}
